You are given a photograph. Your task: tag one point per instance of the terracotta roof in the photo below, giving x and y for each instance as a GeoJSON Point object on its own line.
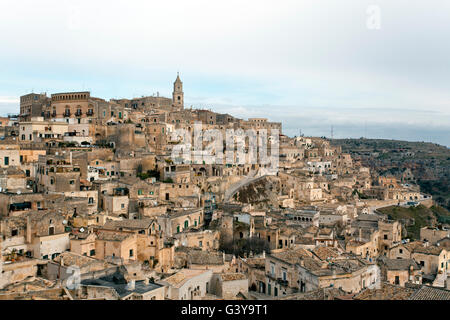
{"type": "Point", "coordinates": [386, 292]}
{"type": "Point", "coordinates": [431, 293]}
{"type": "Point", "coordinates": [129, 224]}
{"type": "Point", "coordinates": [180, 278]}
{"type": "Point", "coordinates": [233, 276]}
{"type": "Point", "coordinates": [325, 253]}
{"type": "Point", "coordinates": [400, 264]}
{"type": "Point", "coordinates": [112, 236]}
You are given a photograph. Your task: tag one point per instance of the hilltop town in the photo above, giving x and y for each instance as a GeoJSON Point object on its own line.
{"type": "Point", "coordinates": [129, 199]}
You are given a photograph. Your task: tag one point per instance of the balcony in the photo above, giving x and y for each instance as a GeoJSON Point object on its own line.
{"type": "Point", "coordinates": [282, 282]}
{"type": "Point", "coordinates": [90, 113]}
{"type": "Point", "coordinates": [78, 113]}
{"type": "Point", "coordinates": [54, 114]}
{"type": "Point", "coordinates": [67, 113]}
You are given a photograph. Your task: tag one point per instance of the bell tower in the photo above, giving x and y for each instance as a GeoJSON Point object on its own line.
{"type": "Point", "coordinates": [178, 95]}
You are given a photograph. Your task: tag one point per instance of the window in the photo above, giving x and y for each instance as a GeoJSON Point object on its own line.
{"type": "Point", "coordinates": [14, 232]}
{"type": "Point", "coordinates": [131, 253]}
{"type": "Point", "coordinates": [6, 161]}
{"type": "Point", "coordinates": [140, 192]}
{"type": "Point", "coordinates": [385, 237]}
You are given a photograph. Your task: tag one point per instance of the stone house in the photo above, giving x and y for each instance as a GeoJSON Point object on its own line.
{"type": "Point", "coordinates": [172, 223]}
{"type": "Point", "coordinates": [400, 271]}
{"type": "Point", "coordinates": [433, 235]}
{"type": "Point", "coordinates": [116, 245]}
{"type": "Point", "coordinates": [187, 284]}
{"type": "Point", "coordinates": [229, 285]}
{"type": "Point", "coordinates": [431, 259]}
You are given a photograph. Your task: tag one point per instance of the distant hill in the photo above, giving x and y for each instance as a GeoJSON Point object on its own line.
{"type": "Point", "coordinates": [417, 217]}
{"type": "Point", "coordinates": [429, 162]}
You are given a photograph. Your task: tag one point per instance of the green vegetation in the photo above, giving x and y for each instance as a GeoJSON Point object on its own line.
{"type": "Point", "coordinates": [148, 174]}
{"type": "Point", "coordinates": [360, 195]}
{"type": "Point", "coordinates": [428, 162]}
{"type": "Point", "coordinates": [415, 218]}
{"type": "Point", "coordinates": [440, 189]}
{"type": "Point", "coordinates": [67, 145]}
{"type": "Point", "coordinates": [442, 214]}
{"type": "Point", "coordinates": [245, 246]}
{"type": "Point", "coordinates": [103, 144]}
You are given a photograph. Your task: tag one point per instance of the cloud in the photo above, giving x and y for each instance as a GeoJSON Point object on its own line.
{"type": "Point", "coordinates": [286, 59]}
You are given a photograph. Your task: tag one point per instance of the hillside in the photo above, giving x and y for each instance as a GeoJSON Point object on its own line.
{"type": "Point", "coordinates": [428, 162]}
{"type": "Point", "coordinates": [415, 218]}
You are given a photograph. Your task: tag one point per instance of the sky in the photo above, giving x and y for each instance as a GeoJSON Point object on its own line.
{"type": "Point", "coordinates": [375, 69]}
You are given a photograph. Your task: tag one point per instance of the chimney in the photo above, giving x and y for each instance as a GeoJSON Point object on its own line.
{"type": "Point", "coordinates": [264, 254]}
{"type": "Point", "coordinates": [28, 229]}
{"type": "Point", "coordinates": [146, 281]}
{"type": "Point", "coordinates": [360, 234]}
